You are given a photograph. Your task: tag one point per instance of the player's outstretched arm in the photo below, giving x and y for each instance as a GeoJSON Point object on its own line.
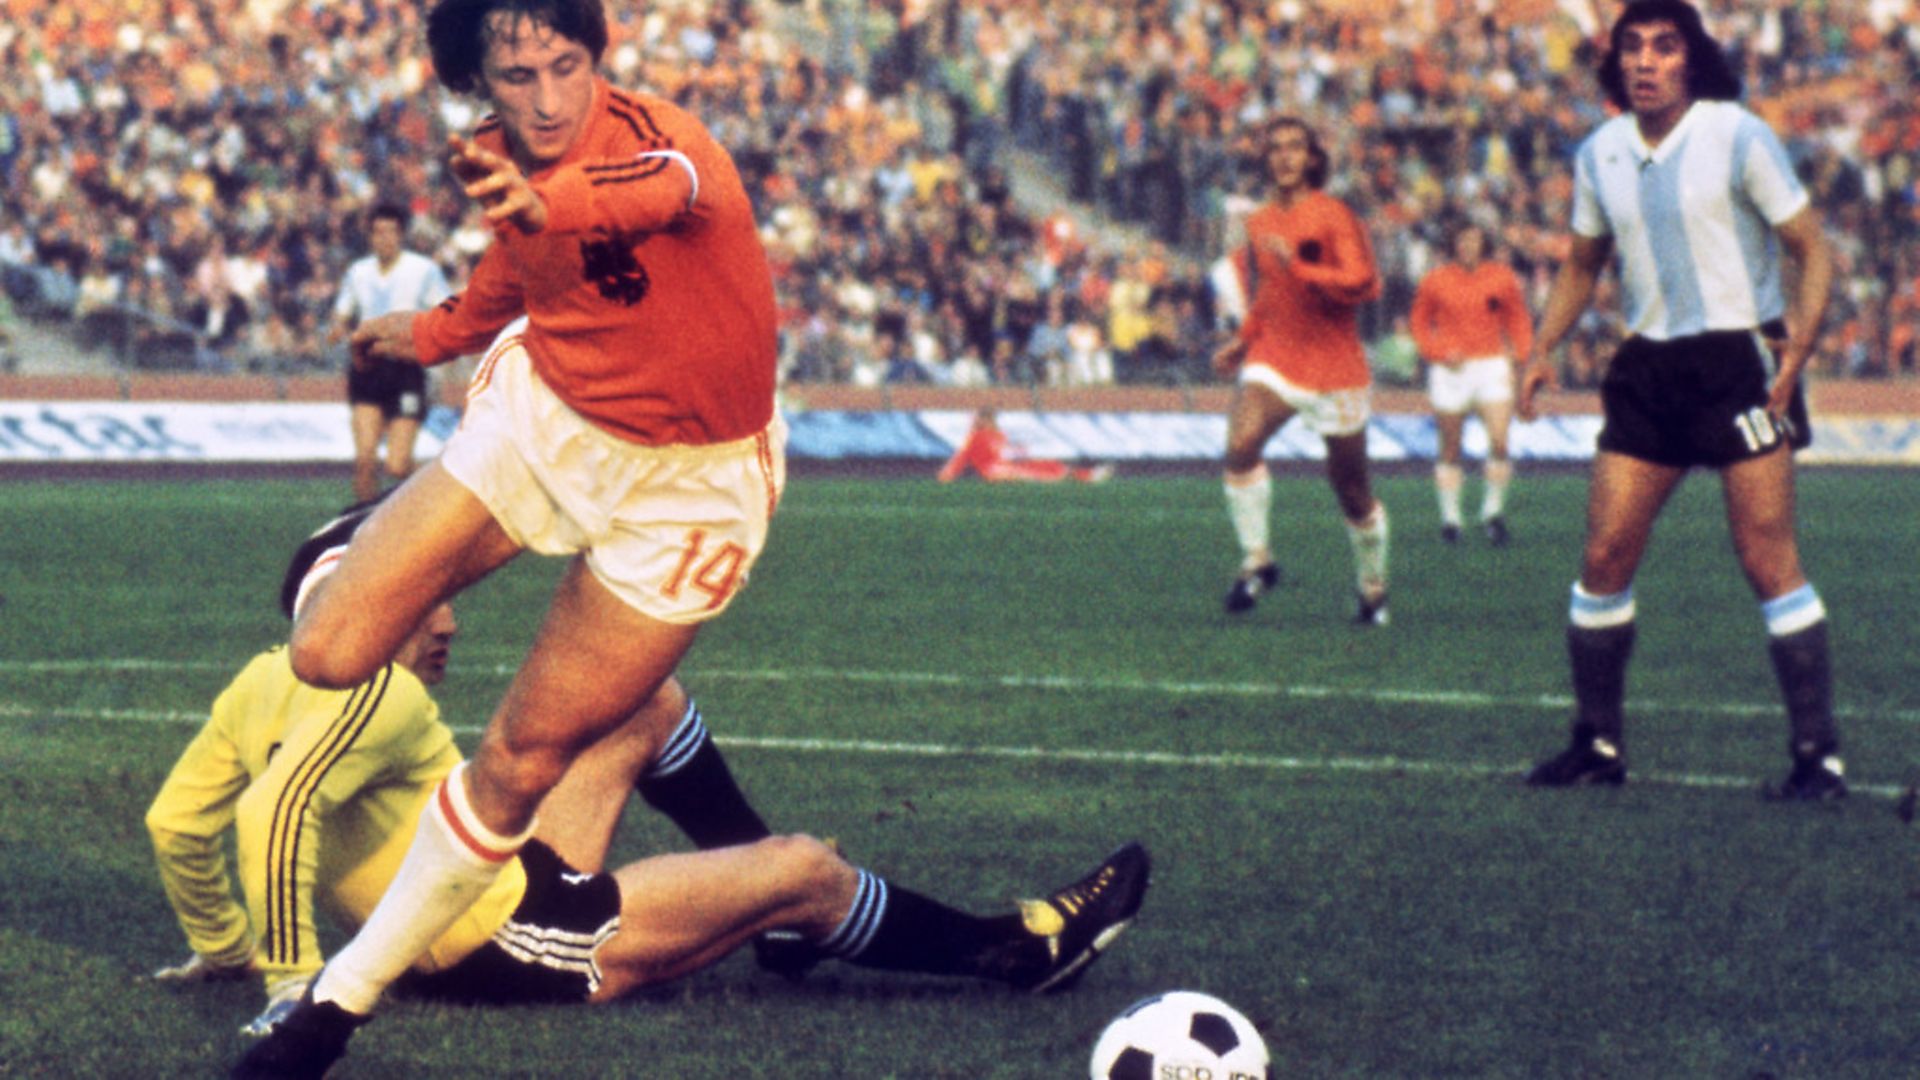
{"type": "Point", "coordinates": [497, 184]}
{"type": "Point", "coordinates": [386, 337]}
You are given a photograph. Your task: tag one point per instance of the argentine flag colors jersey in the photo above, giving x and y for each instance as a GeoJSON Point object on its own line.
{"type": "Point", "coordinates": [1691, 220]}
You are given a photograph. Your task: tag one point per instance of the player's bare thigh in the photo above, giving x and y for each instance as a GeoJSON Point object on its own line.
{"type": "Point", "coordinates": [595, 660]}
{"type": "Point", "coordinates": [1449, 425]}
{"type": "Point", "coordinates": [680, 913]}
{"type": "Point", "coordinates": [1623, 500]}
{"type": "Point", "coordinates": [1497, 418]}
{"type": "Point", "coordinates": [1257, 412]}
{"type": "Point", "coordinates": [578, 817]}
{"type": "Point", "coordinates": [401, 436]}
{"type": "Point", "coordinates": [1347, 472]}
{"type": "Point", "coordinates": [1759, 495]}
{"type": "Point", "coordinates": [427, 541]}
{"type": "Point", "coordinates": [367, 423]}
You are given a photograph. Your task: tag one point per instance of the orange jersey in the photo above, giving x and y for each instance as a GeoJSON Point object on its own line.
{"type": "Point", "coordinates": [648, 295]}
{"type": "Point", "coordinates": [1303, 313]}
{"type": "Point", "coordinates": [983, 451]}
{"type": "Point", "coordinates": [1461, 314]}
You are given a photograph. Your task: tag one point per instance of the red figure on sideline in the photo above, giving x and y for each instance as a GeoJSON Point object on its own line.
{"type": "Point", "coordinates": [986, 452]}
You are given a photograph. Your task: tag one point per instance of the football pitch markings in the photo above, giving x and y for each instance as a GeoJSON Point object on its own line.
{"type": "Point", "coordinates": [1338, 763]}
{"type": "Point", "coordinates": [1461, 699]}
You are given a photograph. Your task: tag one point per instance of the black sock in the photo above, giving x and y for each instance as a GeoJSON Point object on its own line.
{"type": "Point", "coordinates": [691, 784]}
{"type": "Point", "coordinates": [1800, 662]}
{"type": "Point", "coordinates": [1599, 660]}
{"type": "Point", "coordinates": [897, 929]}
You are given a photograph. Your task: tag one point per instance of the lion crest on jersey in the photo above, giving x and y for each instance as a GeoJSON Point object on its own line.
{"type": "Point", "coordinates": [610, 264]}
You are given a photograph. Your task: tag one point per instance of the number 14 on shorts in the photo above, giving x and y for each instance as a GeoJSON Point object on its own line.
{"type": "Point", "coordinates": [717, 574]}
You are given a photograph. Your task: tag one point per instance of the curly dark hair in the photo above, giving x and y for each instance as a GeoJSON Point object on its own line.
{"type": "Point", "coordinates": [1709, 76]}
{"type": "Point", "coordinates": [457, 32]}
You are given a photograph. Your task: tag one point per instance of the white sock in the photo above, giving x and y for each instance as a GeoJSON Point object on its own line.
{"type": "Point", "coordinates": [1499, 475]}
{"type": "Point", "coordinates": [1447, 481]}
{"type": "Point", "coordinates": [454, 858]}
{"type": "Point", "coordinates": [1369, 539]}
{"type": "Point", "coordinates": [1250, 506]}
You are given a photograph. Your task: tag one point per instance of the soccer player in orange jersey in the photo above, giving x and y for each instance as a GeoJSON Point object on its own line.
{"type": "Point", "coordinates": [623, 417]}
{"type": "Point", "coordinates": [1306, 269]}
{"type": "Point", "coordinates": [1469, 321]}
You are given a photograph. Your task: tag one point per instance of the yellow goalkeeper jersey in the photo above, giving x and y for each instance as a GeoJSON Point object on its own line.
{"type": "Point", "coordinates": [323, 789]}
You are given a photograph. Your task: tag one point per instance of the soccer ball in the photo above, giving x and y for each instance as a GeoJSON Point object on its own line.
{"type": "Point", "coordinates": [1180, 1035]}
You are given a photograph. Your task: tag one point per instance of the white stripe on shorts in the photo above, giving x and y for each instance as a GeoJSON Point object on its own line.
{"type": "Point", "coordinates": [560, 950]}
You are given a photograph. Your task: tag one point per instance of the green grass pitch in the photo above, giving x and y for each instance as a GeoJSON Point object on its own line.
{"type": "Point", "coordinates": [981, 690]}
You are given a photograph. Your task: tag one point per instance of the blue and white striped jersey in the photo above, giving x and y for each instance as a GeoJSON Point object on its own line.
{"type": "Point", "coordinates": [1691, 220]}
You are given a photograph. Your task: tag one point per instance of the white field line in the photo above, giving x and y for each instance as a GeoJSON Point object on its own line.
{"type": "Point", "coordinates": [1248, 762]}
{"type": "Point", "coordinates": [1379, 696]}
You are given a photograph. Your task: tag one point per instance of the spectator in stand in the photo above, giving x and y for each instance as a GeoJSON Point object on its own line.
{"type": "Point", "coordinates": [221, 122]}
{"type": "Point", "coordinates": [1049, 345]}
{"type": "Point", "coordinates": [1470, 321]}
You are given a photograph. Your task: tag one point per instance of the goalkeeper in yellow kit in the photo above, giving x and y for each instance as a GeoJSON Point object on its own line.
{"type": "Point", "coordinates": [323, 789]}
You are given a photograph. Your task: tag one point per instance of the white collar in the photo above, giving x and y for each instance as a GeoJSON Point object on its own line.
{"type": "Point", "coordinates": [1669, 145]}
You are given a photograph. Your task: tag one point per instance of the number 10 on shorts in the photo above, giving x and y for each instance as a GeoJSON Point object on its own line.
{"type": "Point", "coordinates": [716, 574]}
{"type": "Point", "coordinates": [1757, 428]}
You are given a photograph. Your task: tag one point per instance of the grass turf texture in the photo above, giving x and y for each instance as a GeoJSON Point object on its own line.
{"type": "Point", "coordinates": [981, 690]}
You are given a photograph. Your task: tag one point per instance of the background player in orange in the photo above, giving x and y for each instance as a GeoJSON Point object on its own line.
{"type": "Point", "coordinates": [1306, 269]}
{"type": "Point", "coordinates": [986, 451]}
{"type": "Point", "coordinates": [1469, 321]}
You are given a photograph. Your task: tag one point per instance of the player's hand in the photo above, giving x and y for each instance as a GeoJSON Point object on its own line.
{"type": "Point", "coordinates": [1535, 375]}
{"type": "Point", "coordinates": [199, 969]}
{"type": "Point", "coordinates": [384, 337]}
{"type": "Point", "coordinates": [282, 997]}
{"type": "Point", "coordinates": [497, 184]}
{"type": "Point", "coordinates": [1780, 394]}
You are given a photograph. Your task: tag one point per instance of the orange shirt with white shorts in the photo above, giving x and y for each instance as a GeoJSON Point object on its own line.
{"type": "Point", "coordinates": [1469, 324]}
{"type": "Point", "coordinates": [1302, 329]}
{"type": "Point", "coordinates": [628, 410]}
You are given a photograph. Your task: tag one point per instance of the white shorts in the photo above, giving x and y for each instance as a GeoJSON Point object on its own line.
{"type": "Point", "coordinates": [1324, 412]}
{"type": "Point", "coordinates": [670, 530]}
{"type": "Point", "coordinates": [1455, 388]}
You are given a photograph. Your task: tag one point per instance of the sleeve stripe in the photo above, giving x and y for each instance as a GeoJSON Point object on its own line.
{"type": "Point", "coordinates": [280, 936]}
{"type": "Point", "coordinates": [636, 117]}
{"type": "Point", "coordinates": [641, 168]}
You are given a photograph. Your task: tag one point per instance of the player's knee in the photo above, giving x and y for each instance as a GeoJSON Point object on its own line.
{"type": "Point", "coordinates": [1608, 561]}
{"type": "Point", "coordinates": [323, 659]}
{"type": "Point", "coordinates": [517, 775]}
{"type": "Point", "coordinates": [1241, 457]}
{"type": "Point", "coordinates": [810, 867]}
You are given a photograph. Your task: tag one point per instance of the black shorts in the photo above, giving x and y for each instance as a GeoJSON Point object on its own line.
{"type": "Point", "coordinates": [545, 952]}
{"type": "Point", "coordinates": [1699, 400]}
{"type": "Point", "coordinates": [399, 389]}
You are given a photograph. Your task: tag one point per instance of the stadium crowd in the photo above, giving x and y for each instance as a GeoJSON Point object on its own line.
{"type": "Point", "coordinates": [185, 180]}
